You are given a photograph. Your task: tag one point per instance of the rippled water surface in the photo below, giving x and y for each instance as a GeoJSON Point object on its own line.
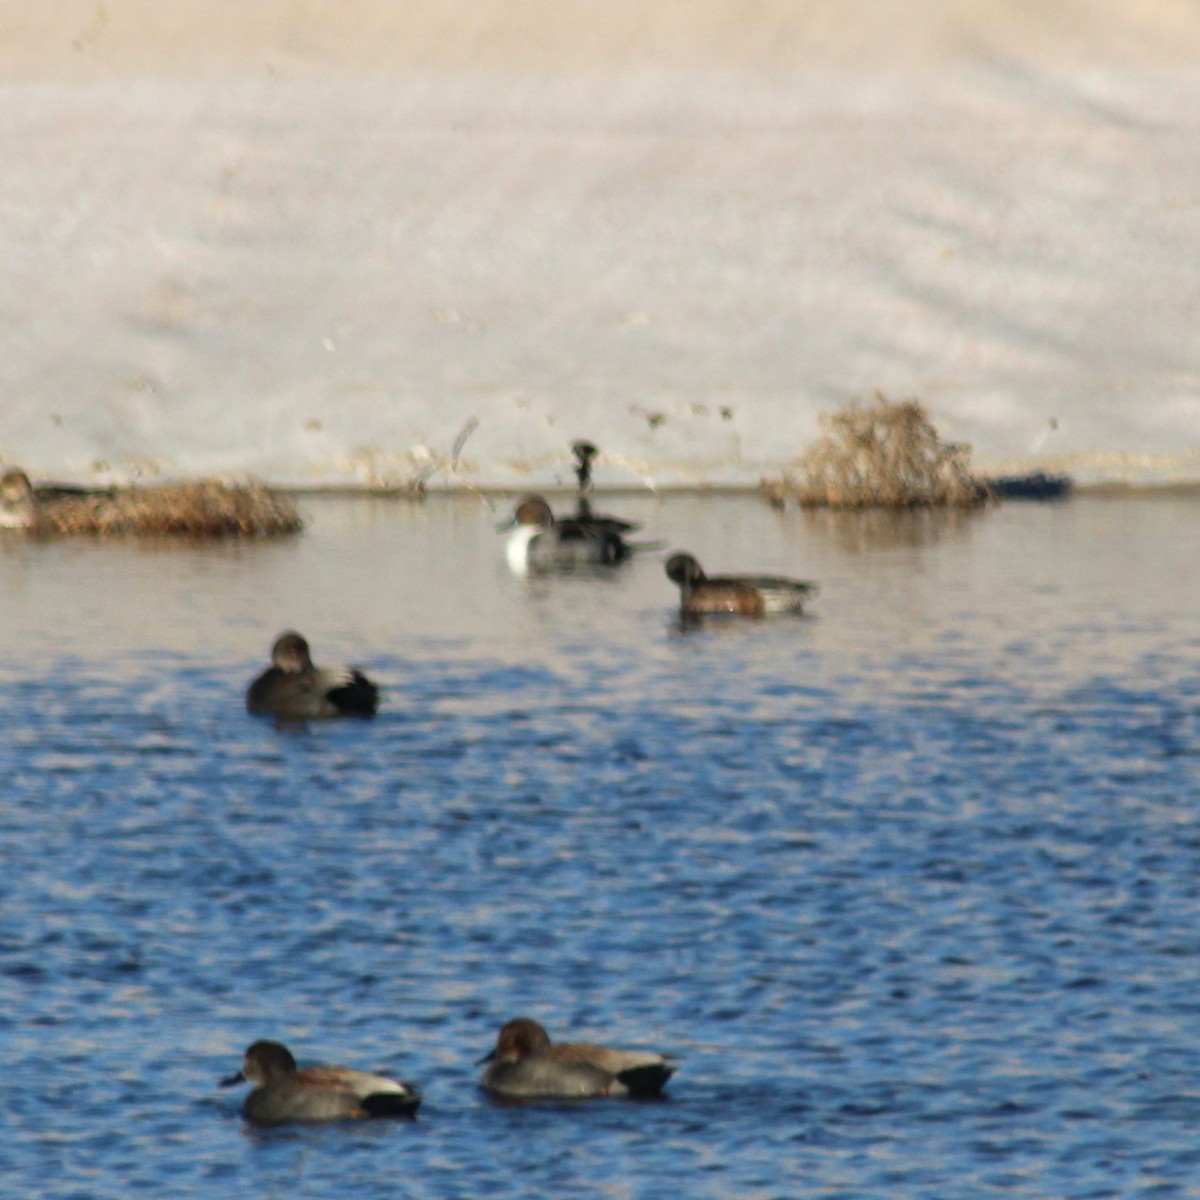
{"type": "Point", "coordinates": [911, 885]}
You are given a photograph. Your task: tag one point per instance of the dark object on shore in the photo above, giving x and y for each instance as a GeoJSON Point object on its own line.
{"type": "Point", "coordinates": [293, 689]}
{"type": "Point", "coordinates": [882, 455]}
{"type": "Point", "coordinates": [584, 453]}
{"type": "Point", "coordinates": [1035, 486]}
{"type": "Point", "coordinates": [749, 595]}
{"type": "Point", "coordinates": [204, 509]}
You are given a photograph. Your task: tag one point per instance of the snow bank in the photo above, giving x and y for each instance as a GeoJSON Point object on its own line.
{"type": "Point", "coordinates": [310, 242]}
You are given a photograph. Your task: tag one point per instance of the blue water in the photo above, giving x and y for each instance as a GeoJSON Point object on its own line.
{"type": "Point", "coordinates": [911, 886]}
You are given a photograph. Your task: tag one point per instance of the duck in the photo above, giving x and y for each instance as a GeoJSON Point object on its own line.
{"type": "Point", "coordinates": [526, 1065]}
{"type": "Point", "coordinates": [17, 502]}
{"type": "Point", "coordinates": [538, 542]}
{"type": "Point", "coordinates": [751, 595]}
{"type": "Point", "coordinates": [285, 1093]}
{"type": "Point", "coordinates": [293, 689]}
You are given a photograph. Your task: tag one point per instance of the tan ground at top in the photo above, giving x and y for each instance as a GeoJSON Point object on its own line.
{"type": "Point", "coordinates": [56, 37]}
{"type": "Point", "coordinates": [315, 241]}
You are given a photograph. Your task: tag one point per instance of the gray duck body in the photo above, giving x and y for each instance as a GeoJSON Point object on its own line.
{"type": "Point", "coordinates": [285, 1093]}
{"type": "Point", "coordinates": [293, 689]}
{"type": "Point", "coordinates": [538, 542]}
{"type": "Point", "coordinates": [526, 1065]}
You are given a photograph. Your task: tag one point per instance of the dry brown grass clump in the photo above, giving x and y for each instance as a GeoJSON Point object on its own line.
{"type": "Point", "coordinates": [881, 455]}
{"type": "Point", "coordinates": [206, 509]}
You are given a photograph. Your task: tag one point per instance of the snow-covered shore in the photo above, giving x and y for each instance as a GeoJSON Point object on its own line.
{"type": "Point", "coordinates": [311, 242]}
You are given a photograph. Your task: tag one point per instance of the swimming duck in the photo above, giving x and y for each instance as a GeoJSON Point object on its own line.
{"type": "Point", "coordinates": [285, 1093]}
{"type": "Point", "coordinates": [525, 1064]}
{"type": "Point", "coordinates": [292, 689]}
{"type": "Point", "coordinates": [539, 542]}
{"type": "Point", "coordinates": [752, 595]}
{"type": "Point", "coordinates": [16, 500]}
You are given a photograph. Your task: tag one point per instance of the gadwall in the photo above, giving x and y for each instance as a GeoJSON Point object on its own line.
{"type": "Point", "coordinates": [285, 1093]}
{"type": "Point", "coordinates": [753, 595]}
{"type": "Point", "coordinates": [525, 1064]}
{"type": "Point", "coordinates": [539, 542]}
{"type": "Point", "coordinates": [292, 689]}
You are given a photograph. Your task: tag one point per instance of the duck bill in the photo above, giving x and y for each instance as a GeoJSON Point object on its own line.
{"type": "Point", "coordinates": [490, 1056]}
{"type": "Point", "coordinates": [233, 1080]}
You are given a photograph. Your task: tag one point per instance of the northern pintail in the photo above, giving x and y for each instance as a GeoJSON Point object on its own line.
{"type": "Point", "coordinates": [538, 542]}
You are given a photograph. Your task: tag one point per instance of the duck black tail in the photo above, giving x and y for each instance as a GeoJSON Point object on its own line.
{"type": "Point", "coordinates": [648, 1080]}
{"type": "Point", "coordinates": [359, 697]}
{"type": "Point", "coordinates": [391, 1104]}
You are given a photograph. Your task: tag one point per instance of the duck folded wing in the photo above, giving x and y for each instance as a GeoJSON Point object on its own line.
{"type": "Point", "coordinates": [633, 1072]}
{"type": "Point", "coordinates": [776, 583]}
{"type": "Point", "coordinates": [377, 1095]}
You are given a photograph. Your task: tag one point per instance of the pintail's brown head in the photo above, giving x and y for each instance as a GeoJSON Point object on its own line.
{"type": "Point", "coordinates": [534, 510]}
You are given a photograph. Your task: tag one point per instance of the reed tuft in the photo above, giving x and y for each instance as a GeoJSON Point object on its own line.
{"type": "Point", "coordinates": [203, 509]}
{"type": "Point", "coordinates": [886, 454]}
